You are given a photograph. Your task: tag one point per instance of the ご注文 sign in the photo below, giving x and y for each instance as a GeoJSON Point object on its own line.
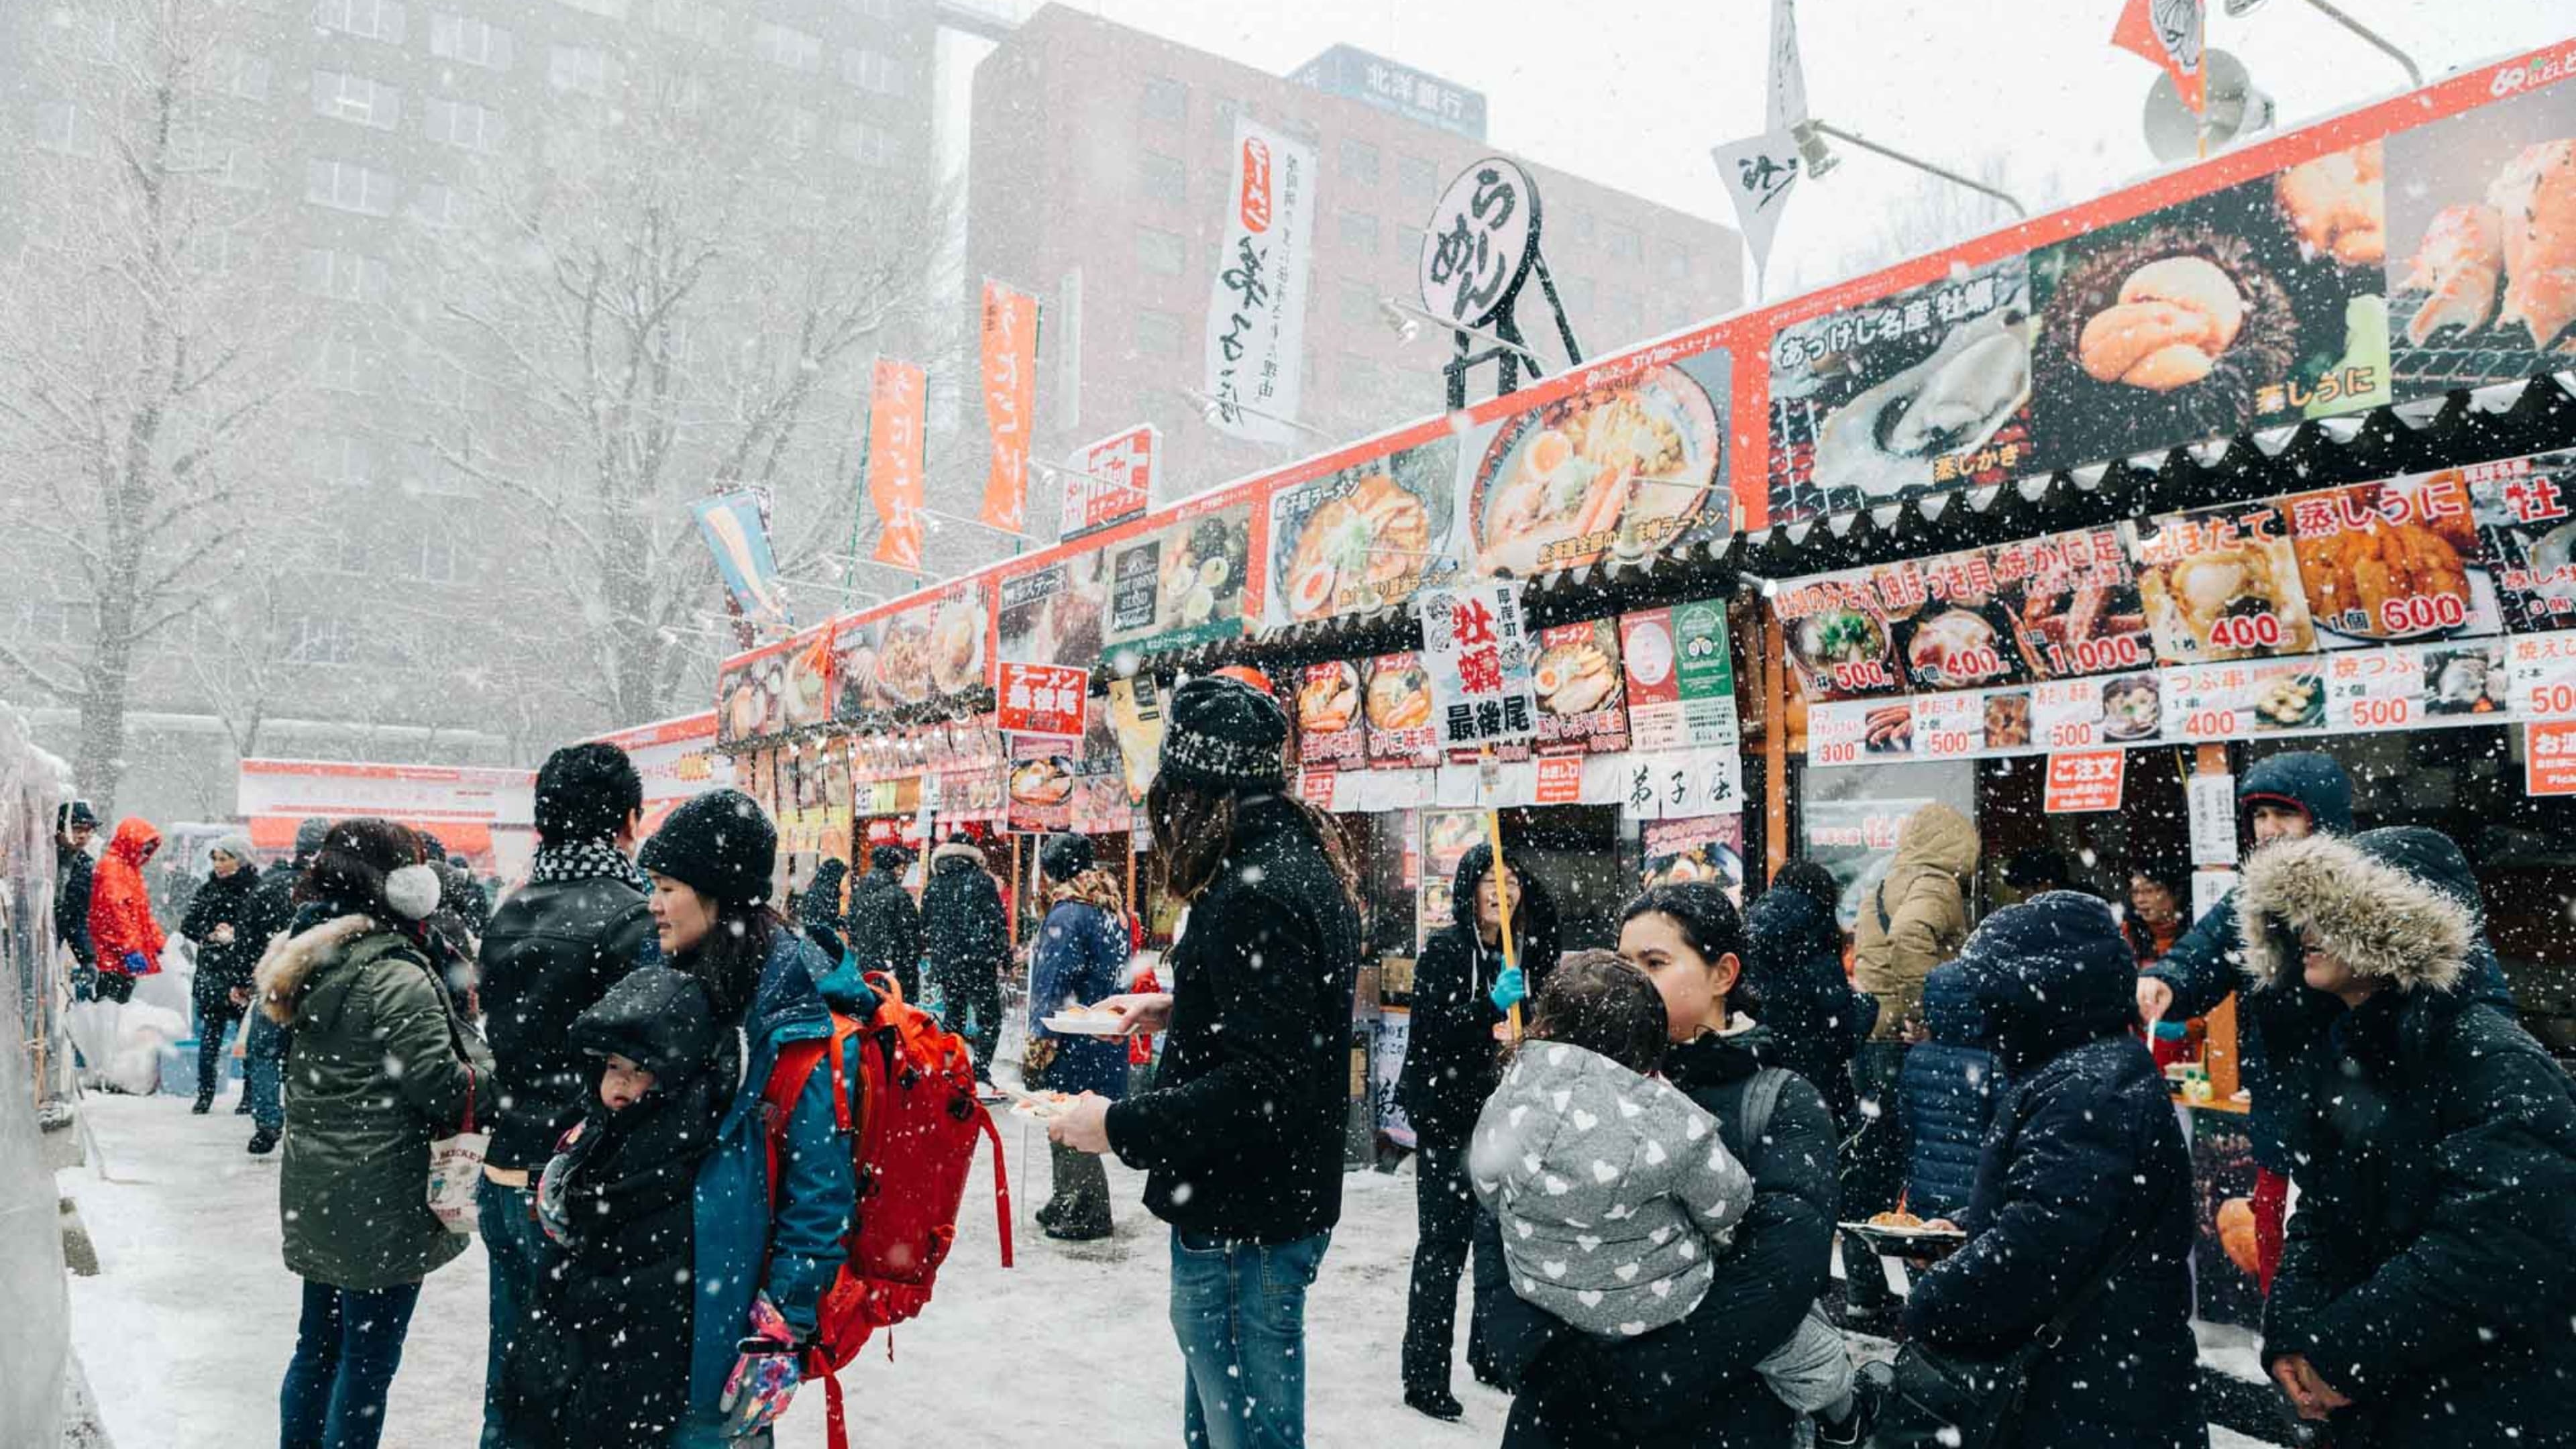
{"type": "Point", "coordinates": [2081, 782]}
{"type": "Point", "coordinates": [1042, 699]}
{"type": "Point", "coordinates": [1477, 651]}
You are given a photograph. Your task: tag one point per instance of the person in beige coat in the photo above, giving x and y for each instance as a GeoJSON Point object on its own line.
{"type": "Point", "coordinates": [1915, 919]}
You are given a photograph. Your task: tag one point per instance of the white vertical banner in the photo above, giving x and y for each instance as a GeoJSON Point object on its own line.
{"type": "Point", "coordinates": [1256, 323]}
{"type": "Point", "coordinates": [1788, 109]}
{"type": "Point", "coordinates": [1759, 172]}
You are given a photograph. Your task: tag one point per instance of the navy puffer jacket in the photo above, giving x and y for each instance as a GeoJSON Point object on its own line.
{"type": "Point", "coordinates": [1949, 1087]}
{"type": "Point", "coordinates": [2085, 1157]}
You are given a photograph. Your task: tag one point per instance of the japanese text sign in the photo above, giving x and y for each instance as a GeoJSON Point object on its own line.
{"type": "Point", "coordinates": [1480, 242]}
{"type": "Point", "coordinates": [1042, 699]}
{"type": "Point", "coordinates": [1477, 651]}
{"type": "Point", "coordinates": [2549, 758]}
{"type": "Point", "coordinates": [894, 461]}
{"type": "Point", "coordinates": [2085, 781]}
{"type": "Point", "coordinates": [1256, 318]}
{"type": "Point", "coordinates": [1010, 395]}
{"type": "Point", "coordinates": [1111, 480]}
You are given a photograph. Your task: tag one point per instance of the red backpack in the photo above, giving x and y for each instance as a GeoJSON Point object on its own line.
{"type": "Point", "coordinates": [913, 1144]}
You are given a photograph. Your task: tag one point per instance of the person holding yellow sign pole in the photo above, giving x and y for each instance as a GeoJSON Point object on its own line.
{"type": "Point", "coordinates": [1464, 989]}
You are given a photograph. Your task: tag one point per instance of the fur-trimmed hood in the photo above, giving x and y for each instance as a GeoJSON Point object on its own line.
{"type": "Point", "coordinates": [2395, 904]}
{"type": "Point", "coordinates": [291, 961]}
{"type": "Point", "coordinates": [957, 850]}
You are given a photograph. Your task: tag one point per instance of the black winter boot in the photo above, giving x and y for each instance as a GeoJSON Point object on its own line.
{"type": "Point", "coordinates": [263, 1142]}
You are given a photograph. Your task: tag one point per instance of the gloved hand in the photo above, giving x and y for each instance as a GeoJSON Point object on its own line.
{"type": "Point", "coordinates": [1510, 990]}
{"type": "Point", "coordinates": [765, 1373]}
{"type": "Point", "coordinates": [135, 965]}
{"type": "Point", "coordinates": [550, 1198]}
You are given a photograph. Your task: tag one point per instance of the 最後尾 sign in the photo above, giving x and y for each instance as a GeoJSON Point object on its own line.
{"type": "Point", "coordinates": [1256, 337]}
{"type": "Point", "coordinates": [1481, 241]}
{"type": "Point", "coordinates": [1042, 699]}
{"type": "Point", "coordinates": [1109, 482]}
{"type": "Point", "coordinates": [1476, 650]}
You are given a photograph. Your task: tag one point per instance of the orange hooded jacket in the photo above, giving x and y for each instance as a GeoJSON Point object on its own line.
{"type": "Point", "coordinates": [120, 910]}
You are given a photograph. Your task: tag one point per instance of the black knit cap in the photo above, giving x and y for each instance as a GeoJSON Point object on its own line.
{"type": "Point", "coordinates": [1223, 736]}
{"type": "Point", "coordinates": [1065, 856]}
{"type": "Point", "coordinates": [718, 844]}
{"type": "Point", "coordinates": [74, 812]}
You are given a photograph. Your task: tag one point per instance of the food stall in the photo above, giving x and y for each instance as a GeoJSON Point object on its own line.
{"type": "Point", "coordinates": [2065, 526]}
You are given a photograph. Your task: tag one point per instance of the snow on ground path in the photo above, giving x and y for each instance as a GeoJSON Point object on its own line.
{"type": "Point", "coordinates": [187, 1330]}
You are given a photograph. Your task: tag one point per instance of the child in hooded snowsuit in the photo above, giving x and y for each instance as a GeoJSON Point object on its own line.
{"type": "Point", "coordinates": [1613, 1189]}
{"type": "Point", "coordinates": [582, 1369]}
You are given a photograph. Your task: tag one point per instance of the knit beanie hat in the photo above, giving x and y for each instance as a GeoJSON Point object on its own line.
{"type": "Point", "coordinates": [1065, 856]}
{"type": "Point", "coordinates": [309, 834]}
{"type": "Point", "coordinates": [236, 845]}
{"type": "Point", "coordinates": [718, 844]}
{"type": "Point", "coordinates": [75, 812]}
{"type": "Point", "coordinates": [1225, 736]}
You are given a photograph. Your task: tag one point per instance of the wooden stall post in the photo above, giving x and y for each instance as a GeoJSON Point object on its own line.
{"type": "Point", "coordinates": [1775, 734]}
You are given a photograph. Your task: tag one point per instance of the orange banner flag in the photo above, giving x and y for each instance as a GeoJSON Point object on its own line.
{"type": "Point", "coordinates": [1010, 395]}
{"type": "Point", "coordinates": [2170, 33]}
{"type": "Point", "coordinates": [894, 461]}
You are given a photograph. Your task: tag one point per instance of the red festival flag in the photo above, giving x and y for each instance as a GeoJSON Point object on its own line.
{"type": "Point", "coordinates": [2170, 33]}
{"type": "Point", "coordinates": [1010, 394]}
{"type": "Point", "coordinates": [894, 462]}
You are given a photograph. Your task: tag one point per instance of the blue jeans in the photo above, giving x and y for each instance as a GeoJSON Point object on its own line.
{"type": "Point", "coordinates": [346, 1351]}
{"type": "Point", "coordinates": [1239, 1310]}
{"type": "Point", "coordinates": [520, 1254]}
{"type": "Point", "coordinates": [263, 1060]}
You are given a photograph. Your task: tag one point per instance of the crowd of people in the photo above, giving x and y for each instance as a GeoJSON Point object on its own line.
{"type": "Point", "coordinates": [1637, 1157]}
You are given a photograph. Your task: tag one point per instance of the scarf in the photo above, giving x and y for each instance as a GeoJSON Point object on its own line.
{"type": "Point", "coordinates": [589, 860]}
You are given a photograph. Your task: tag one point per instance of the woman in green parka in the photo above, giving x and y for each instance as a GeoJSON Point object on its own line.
{"type": "Point", "coordinates": [379, 1068]}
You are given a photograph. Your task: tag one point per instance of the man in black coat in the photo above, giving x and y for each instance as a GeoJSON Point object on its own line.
{"type": "Point", "coordinates": [885, 928]}
{"type": "Point", "coordinates": [1451, 1065]}
{"type": "Point", "coordinates": [819, 911]}
{"type": "Point", "coordinates": [2083, 1161]}
{"type": "Point", "coordinates": [553, 950]}
{"type": "Point", "coordinates": [229, 920]}
{"type": "Point", "coordinates": [264, 1042]}
{"type": "Point", "coordinates": [970, 942]}
{"type": "Point", "coordinates": [2427, 1292]}
{"type": "Point", "coordinates": [74, 824]}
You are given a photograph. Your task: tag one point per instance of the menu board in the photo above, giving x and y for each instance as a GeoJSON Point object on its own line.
{"type": "Point", "coordinates": [1901, 395]}
{"type": "Point", "coordinates": [2221, 584]}
{"type": "Point", "coordinates": [2526, 514]}
{"type": "Point", "coordinates": [1696, 848]}
{"type": "Point", "coordinates": [1057, 613]}
{"type": "Point", "coordinates": [928, 649]}
{"type": "Point", "coordinates": [1947, 624]}
{"type": "Point", "coordinates": [1654, 684]}
{"type": "Point", "coordinates": [2386, 562]}
{"type": "Point", "coordinates": [1397, 694]}
{"type": "Point", "coordinates": [1043, 774]}
{"type": "Point", "coordinates": [2072, 601]}
{"type": "Point", "coordinates": [1361, 538]}
{"type": "Point", "coordinates": [1581, 688]}
{"type": "Point", "coordinates": [1179, 585]}
{"type": "Point", "coordinates": [1841, 644]}
{"type": "Point", "coordinates": [1328, 716]}
{"type": "Point", "coordinates": [1622, 468]}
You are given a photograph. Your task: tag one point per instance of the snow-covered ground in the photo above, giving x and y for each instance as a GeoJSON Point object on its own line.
{"type": "Point", "coordinates": [188, 1327]}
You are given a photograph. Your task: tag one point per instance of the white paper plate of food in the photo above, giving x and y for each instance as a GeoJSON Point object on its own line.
{"type": "Point", "coordinates": [1903, 1234]}
{"type": "Point", "coordinates": [1086, 1021]}
{"type": "Point", "coordinates": [1039, 1106]}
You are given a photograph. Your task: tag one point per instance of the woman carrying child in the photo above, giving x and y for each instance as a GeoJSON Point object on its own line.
{"type": "Point", "coordinates": [762, 1250]}
{"type": "Point", "coordinates": [1700, 1380]}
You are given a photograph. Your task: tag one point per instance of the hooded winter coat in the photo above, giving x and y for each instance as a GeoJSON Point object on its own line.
{"type": "Point", "coordinates": [1450, 1057]}
{"type": "Point", "coordinates": [753, 1236]}
{"type": "Point", "coordinates": [379, 1069]}
{"type": "Point", "coordinates": [1949, 1086]}
{"type": "Point", "coordinates": [885, 927]}
{"type": "Point", "coordinates": [819, 913]}
{"type": "Point", "coordinates": [1917, 915]}
{"type": "Point", "coordinates": [1692, 1385]}
{"type": "Point", "coordinates": [2205, 966]}
{"type": "Point", "coordinates": [2084, 1158]}
{"type": "Point", "coordinates": [120, 906]}
{"type": "Point", "coordinates": [961, 911]}
{"type": "Point", "coordinates": [237, 901]}
{"type": "Point", "coordinates": [1241, 1136]}
{"type": "Point", "coordinates": [1080, 957]}
{"type": "Point", "coordinates": [1615, 1192]}
{"type": "Point", "coordinates": [2426, 1274]}
{"type": "Point", "coordinates": [602, 1356]}
{"type": "Point", "coordinates": [1793, 971]}
{"type": "Point", "coordinates": [72, 872]}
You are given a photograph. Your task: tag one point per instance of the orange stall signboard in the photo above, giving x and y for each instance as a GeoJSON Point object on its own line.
{"type": "Point", "coordinates": [2085, 781]}
{"type": "Point", "coordinates": [2549, 758]}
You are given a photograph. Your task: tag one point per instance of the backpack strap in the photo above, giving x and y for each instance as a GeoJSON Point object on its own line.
{"type": "Point", "coordinates": [1761, 1099]}
{"type": "Point", "coordinates": [787, 1078]}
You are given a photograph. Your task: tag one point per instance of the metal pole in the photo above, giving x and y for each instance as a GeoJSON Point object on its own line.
{"type": "Point", "coordinates": [1953, 177]}
{"type": "Point", "coordinates": [2414, 75]}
